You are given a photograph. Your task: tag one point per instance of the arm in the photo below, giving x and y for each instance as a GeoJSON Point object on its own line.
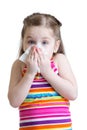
{"type": "Point", "coordinates": [64, 83]}
{"type": "Point", "coordinates": [19, 86]}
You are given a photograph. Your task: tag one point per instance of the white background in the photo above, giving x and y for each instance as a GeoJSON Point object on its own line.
{"type": "Point", "coordinates": [72, 14]}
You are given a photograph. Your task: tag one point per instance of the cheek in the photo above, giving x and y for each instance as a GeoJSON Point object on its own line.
{"type": "Point", "coordinates": [25, 46]}
{"type": "Point", "coordinates": [49, 54]}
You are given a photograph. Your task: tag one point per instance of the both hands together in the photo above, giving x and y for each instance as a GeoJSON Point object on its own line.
{"type": "Point", "coordinates": [36, 59]}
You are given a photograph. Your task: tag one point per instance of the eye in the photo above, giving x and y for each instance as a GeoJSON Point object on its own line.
{"type": "Point", "coordinates": [31, 41]}
{"type": "Point", "coordinates": [45, 42]}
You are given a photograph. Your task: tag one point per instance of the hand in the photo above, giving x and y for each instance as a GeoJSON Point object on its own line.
{"type": "Point", "coordinates": [43, 62]}
{"type": "Point", "coordinates": [31, 61]}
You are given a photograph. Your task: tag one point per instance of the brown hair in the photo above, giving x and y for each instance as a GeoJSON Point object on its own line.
{"type": "Point", "coordinates": [47, 20]}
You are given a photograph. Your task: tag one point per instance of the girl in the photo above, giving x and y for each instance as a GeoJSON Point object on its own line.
{"type": "Point", "coordinates": [42, 98]}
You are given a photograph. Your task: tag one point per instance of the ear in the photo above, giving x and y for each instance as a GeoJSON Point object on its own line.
{"type": "Point", "coordinates": [56, 47]}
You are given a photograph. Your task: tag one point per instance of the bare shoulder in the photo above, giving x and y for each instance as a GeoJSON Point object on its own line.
{"type": "Point", "coordinates": [17, 65]}
{"type": "Point", "coordinates": [62, 62]}
{"type": "Point", "coordinates": [16, 72]}
{"type": "Point", "coordinates": [64, 67]}
{"type": "Point", "coordinates": [60, 59]}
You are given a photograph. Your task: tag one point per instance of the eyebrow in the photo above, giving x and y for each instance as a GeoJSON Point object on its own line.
{"type": "Point", "coordinates": [29, 37]}
{"type": "Point", "coordinates": [46, 37]}
{"type": "Point", "coordinates": [42, 37]}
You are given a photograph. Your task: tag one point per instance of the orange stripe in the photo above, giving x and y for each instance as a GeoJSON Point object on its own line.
{"type": "Point", "coordinates": [47, 126]}
{"type": "Point", "coordinates": [41, 90]}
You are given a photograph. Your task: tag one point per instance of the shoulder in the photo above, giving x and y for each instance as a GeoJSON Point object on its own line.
{"type": "Point", "coordinates": [16, 71]}
{"type": "Point", "coordinates": [60, 59]}
{"type": "Point", "coordinates": [17, 65]}
{"type": "Point", "coordinates": [64, 68]}
{"type": "Point", "coordinates": [63, 65]}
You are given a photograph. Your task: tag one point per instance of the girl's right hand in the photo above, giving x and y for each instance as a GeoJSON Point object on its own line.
{"type": "Point", "coordinates": [31, 61]}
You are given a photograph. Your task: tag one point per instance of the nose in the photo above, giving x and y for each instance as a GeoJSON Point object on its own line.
{"type": "Point", "coordinates": [38, 45]}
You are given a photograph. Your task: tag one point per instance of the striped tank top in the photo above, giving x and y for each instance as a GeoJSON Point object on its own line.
{"type": "Point", "coordinates": [44, 108]}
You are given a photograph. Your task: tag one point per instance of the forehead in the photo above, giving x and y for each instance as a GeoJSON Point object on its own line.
{"type": "Point", "coordinates": [39, 31]}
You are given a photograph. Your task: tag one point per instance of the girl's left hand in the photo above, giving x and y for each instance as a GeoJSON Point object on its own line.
{"type": "Point", "coordinates": [43, 62]}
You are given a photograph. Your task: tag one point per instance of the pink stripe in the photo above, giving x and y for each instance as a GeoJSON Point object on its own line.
{"type": "Point", "coordinates": [39, 111]}
{"type": "Point", "coordinates": [55, 69]}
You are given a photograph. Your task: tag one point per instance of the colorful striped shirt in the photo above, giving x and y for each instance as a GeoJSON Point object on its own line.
{"type": "Point", "coordinates": [44, 108]}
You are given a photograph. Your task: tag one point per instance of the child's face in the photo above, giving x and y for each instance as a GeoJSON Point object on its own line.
{"type": "Point", "coordinates": [41, 37]}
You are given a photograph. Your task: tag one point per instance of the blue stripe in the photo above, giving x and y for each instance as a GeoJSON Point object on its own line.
{"type": "Point", "coordinates": [42, 95]}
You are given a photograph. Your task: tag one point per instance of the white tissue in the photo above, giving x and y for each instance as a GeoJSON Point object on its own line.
{"type": "Point", "coordinates": [24, 55]}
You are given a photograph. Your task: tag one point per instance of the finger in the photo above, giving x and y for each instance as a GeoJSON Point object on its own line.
{"type": "Point", "coordinates": [40, 54]}
{"type": "Point", "coordinates": [35, 56]}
